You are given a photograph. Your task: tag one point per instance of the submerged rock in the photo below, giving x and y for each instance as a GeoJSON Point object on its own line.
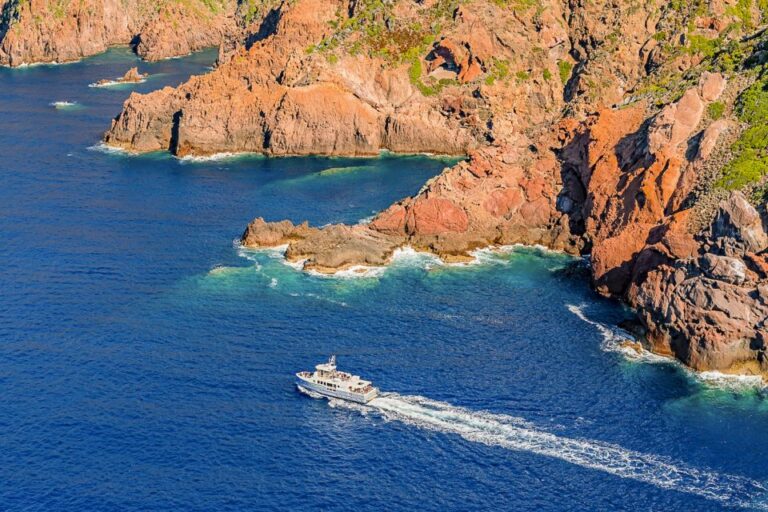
{"type": "Point", "coordinates": [131, 76]}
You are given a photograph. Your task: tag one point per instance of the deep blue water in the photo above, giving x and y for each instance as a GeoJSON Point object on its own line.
{"type": "Point", "coordinates": [146, 362]}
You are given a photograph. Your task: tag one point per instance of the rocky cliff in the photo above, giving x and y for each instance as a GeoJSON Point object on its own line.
{"type": "Point", "coordinates": [33, 31]}
{"type": "Point", "coordinates": [631, 131]}
{"type": "Point", "coordinates": [329, 77]}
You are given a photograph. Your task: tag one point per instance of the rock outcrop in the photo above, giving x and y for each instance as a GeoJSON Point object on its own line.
{"type": "Point", "coordinates": [35, 31]}
{"type": "Point", "coordinates": [711, 310]}
{"type": "Point", "coordinates": [132, 76]}
{"type": "Point", "coordinates": [326, 250]}
{"type": "Point", "coordinates": [288, 90]}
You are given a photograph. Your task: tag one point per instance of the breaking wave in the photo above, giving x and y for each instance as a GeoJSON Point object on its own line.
{"type": "Point", "coordinates": [517, 434]}
{"type": "Point", "coordinates": [116, 82]}
{"type": "Point", "coordinates": [103, 147]}
{"type": "Point", "coordinates": [217, 157]}
{"type": "Point", "coordinates": [402, 257]}
{"type": "Point", "coordinates": [63, 105]}
{"type": "Point", "coordinates": [619, 341]}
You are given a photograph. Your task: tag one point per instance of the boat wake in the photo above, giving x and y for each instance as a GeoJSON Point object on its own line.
{"type": "Point", "coordinates": [519, 435]}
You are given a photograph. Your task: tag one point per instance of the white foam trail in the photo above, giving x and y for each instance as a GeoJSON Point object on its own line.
{"type": "Point", "coordinates": [517, 434]}
{"type": "Point", "coordinates": [619, 341]}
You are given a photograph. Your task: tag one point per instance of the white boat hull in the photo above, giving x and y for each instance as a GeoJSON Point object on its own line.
{"type": "Point", "coordinates": [359, 398]}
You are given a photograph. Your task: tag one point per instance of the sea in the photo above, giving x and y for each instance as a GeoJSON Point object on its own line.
{"type": "Point", "coordinates": [147, 360]}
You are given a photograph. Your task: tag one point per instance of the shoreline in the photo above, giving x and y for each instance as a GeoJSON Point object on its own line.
{"type": "Point", "coordinates": [231, 155]}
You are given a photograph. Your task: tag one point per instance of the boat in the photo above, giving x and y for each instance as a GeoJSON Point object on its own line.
{"type": "Point", "coordinates": [326, 380]}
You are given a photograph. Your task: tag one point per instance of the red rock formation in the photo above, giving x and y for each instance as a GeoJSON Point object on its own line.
{"type": "Point", "coordinates": [711, 311]}
{"type": "Point", "coordinates": [276, 98]}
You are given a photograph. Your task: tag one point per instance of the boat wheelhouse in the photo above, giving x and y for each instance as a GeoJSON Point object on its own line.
{"type": "Point", "coordinates": [326, 380]}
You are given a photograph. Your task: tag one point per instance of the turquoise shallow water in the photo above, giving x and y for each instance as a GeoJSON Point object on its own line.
{"type": "Point", "coordinates": [146, 361]}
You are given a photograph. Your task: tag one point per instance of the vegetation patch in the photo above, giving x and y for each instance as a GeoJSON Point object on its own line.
{"type": "Point", "coordinates": [499, 71]}
{"type": "Point", "coordinates": [716, 110]}
{"type": "Point", "coordinates": [564, 68]}
{"type": "Point", "coordinates": [750, 162]}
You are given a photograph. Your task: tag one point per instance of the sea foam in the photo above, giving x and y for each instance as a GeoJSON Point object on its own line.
{"type": "Point", "coordinates": [116, 82]}
{"type": "Point", "coordinates": [216, 157]}
{"type": "Point", "coordinates": [617, 340]}
{"type": "Point", "coordinates": [103, 147]}
{"type": "Point", "coordinates": [402, 257]}
{"type": "Point", "coordinates": [61, 105]}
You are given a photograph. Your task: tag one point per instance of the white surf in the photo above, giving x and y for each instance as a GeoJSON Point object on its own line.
{"type": "Point", "coordinates": [615, 340]}
{"type": "Point", "coordinates": [517, 434]}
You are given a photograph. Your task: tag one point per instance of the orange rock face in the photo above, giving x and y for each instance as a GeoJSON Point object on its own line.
{"type": "Point", "coordinates": [275, 98]}
{"type": "Point", "coordinates": [434, 216]}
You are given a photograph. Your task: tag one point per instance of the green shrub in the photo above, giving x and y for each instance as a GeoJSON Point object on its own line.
{"type": "Point", "coordinates": [716, 110]}
{"type": "Point", "coordinates": [746, 169]}
{"type": "Point", "coordinates": [700, 45]}
{"type": "Point", "coordinates": [565, 68]}
{"type": "Point", "coordinates": [499, 71]}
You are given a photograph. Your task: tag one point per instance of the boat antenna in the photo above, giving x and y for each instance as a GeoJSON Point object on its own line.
{"type": "Point", "coordinates": [332, 360]}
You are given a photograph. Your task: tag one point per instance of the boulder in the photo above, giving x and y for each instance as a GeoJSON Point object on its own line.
{"type": "Point", "coordinates": [738, 227]}
{"type": "Point", "coordinates": [675, 123]}
{"type": "Point", "coordinates": [723, 268]}
{"type": "Point", "coordinates": [712, 86]}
